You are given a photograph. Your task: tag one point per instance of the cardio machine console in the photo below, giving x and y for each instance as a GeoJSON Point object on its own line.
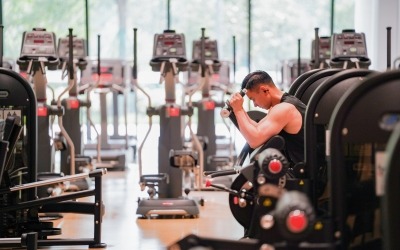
{"type": "Point", "coordinates": [78, 49]}
{"type": "Point", "coordinates": [324, 48]}
{"type": "Point", "coordinates": [36, 44]}
{"type": "Point", "coordinates": [169, 45]}
{"type": "Point", "coordinates": [349, 44]}
{"type": "Point", "coordinates": [210, 53]}
{"type": "Point", "coordinates": [112, 71]}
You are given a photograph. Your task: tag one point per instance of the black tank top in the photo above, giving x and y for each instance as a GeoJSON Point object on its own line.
{"type": "Point", "coordinates": [294, 143]}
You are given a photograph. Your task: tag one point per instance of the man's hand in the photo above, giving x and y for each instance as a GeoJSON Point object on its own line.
{"type": "Point", "coordinates": [236, 102]}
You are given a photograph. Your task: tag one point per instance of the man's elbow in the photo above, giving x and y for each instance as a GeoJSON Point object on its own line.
{"type": "Point", "coordinates": [254, 145]}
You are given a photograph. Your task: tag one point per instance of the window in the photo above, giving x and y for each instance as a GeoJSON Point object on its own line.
{"type": "Point", "coordinates": [276, 26]}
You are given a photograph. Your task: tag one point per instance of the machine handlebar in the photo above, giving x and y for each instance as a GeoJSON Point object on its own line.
{"type": "Point", "coordinates": [226, 111]}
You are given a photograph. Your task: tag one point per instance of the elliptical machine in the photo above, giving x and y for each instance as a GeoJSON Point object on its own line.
{"type": "Point", "coordinates": [106, 77]}
{"type": "Point", "coordinates": [169, 58]}
{"type": "Point", "coordinates": [38, 51]}
{"type": "Point", "coordinates": [72, 104]}
{"type": "Point", "coordinates": [205, 61]}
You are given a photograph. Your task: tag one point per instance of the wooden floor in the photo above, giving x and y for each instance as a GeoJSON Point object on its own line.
{"type": "Point", "coordinates": [123, 229]}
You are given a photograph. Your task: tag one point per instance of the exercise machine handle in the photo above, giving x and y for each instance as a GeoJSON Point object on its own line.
{"type": "Point", "coordinates": [226, 111]}
{"type": "Point", "coordinates": [213, 174]}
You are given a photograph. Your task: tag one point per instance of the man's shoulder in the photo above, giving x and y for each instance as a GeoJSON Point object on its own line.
{"type": "Point", "coordinates": [287, 98]}
{"type": "Point", "coordinates": [283, 107]}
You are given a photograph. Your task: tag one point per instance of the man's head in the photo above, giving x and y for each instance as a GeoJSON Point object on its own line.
{"type": "Point", "coordinates": [256, 78]}
{"type": "Point", "coordinates": [261, 89]}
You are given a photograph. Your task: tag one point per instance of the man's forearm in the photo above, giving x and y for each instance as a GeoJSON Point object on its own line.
{"type": "Point", "coordinates": [247, 128]}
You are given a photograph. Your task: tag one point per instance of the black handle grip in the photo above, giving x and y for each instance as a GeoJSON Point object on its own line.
{"type": "Point", "coordinates": [226, 111]}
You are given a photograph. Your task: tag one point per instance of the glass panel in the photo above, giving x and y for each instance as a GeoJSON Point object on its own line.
{"type": "Point", "coordinates": [276, 27]}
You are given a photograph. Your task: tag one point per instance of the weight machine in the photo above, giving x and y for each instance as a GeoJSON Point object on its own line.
{"type": "Point", "coordinates": [20, 207]}
{"type": "Point", "coordinates": [390, 199]}
{"type": "Point", "coordinates": [292, 221]}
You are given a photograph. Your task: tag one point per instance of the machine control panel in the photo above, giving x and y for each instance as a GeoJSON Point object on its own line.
{"type": "Point", "coordinates": [169, 45]}
{"type": "Point", "coordinates": [210, 50]}
{"type": "Point", "coordinates": [112, 71]}
{"type": "Point", "coordinates": [324, 48]}
{"type": "Point", "coordinates": [210, 54]}
{"type": "Point", "coordinates": [38, 43]}
{"type": "Point", "coordinates": [349, 44]}
{"type": "Point", "coordinates": [79, 48]}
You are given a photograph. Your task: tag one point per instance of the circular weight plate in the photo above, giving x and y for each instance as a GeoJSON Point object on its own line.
{"type": "Point", "coordinates": [242, 214]}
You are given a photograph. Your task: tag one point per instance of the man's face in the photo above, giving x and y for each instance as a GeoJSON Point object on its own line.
{"type": "Point", "coordinates": [258, 95]}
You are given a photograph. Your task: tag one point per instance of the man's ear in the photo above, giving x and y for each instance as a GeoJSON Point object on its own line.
{"type": "Point", "coordinates": [264, 88]}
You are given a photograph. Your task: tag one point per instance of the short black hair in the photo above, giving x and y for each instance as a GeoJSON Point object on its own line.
{"type": "Point", "coordinates": [255, 78]}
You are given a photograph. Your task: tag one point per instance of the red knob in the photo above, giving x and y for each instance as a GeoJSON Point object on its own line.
{"type": "Point", "coordinates": [275, 166]}
{"type": "Point", "coordinates": [297, 221]}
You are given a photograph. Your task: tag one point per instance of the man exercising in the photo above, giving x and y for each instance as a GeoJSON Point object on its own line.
{"type": "Point", "coordinates": [285, 115]}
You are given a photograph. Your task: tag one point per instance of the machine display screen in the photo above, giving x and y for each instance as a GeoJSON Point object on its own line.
{"type": "Point", "coordinates": [38, 43]}
{"type": "Point", "coordinates": [210, 49]}
{"type": "Point", "coordinates": [111, 72]}
{"type": "Point", "coordinates": [78, 47]}
{"type": "Point", "coordinates": [170, 44]}
{"type": "Point", "coordinates": [349, 45]}
{"type": "Point", "coordinates": [106, 74]}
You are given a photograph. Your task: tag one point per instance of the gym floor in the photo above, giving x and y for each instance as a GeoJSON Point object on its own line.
{"type": "Point", "coordinates": [122, 229]}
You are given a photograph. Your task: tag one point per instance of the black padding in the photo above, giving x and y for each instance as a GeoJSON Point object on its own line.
{"type": "Point", "coordinates": [308, 86]}
{"type": "Point", "coordinates": [316, 119]}
{"type": "Point", "coordinates": [299, 80]}
{"type": "Point", "coordinates": [356, 135]}
{"type": "Point", "coordinates": [391, 197]}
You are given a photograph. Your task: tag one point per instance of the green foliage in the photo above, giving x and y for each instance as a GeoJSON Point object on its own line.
{"type": "Point", "coordinates": [55, 15]}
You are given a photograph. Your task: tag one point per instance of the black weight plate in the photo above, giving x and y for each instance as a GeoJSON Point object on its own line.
{"type": "Point", "coordinates": [242, 214]}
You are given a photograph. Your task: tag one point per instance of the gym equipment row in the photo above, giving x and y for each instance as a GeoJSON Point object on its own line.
{"type": "Point", "coordinates": [334, 200]}
{"type": "Point", "coordinates": [97, 78]}
{"type": "Point", "coordinates": [23, 108]}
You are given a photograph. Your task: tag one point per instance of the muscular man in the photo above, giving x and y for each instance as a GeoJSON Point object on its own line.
{"type": "Point", "coordinates": [285, 115]}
